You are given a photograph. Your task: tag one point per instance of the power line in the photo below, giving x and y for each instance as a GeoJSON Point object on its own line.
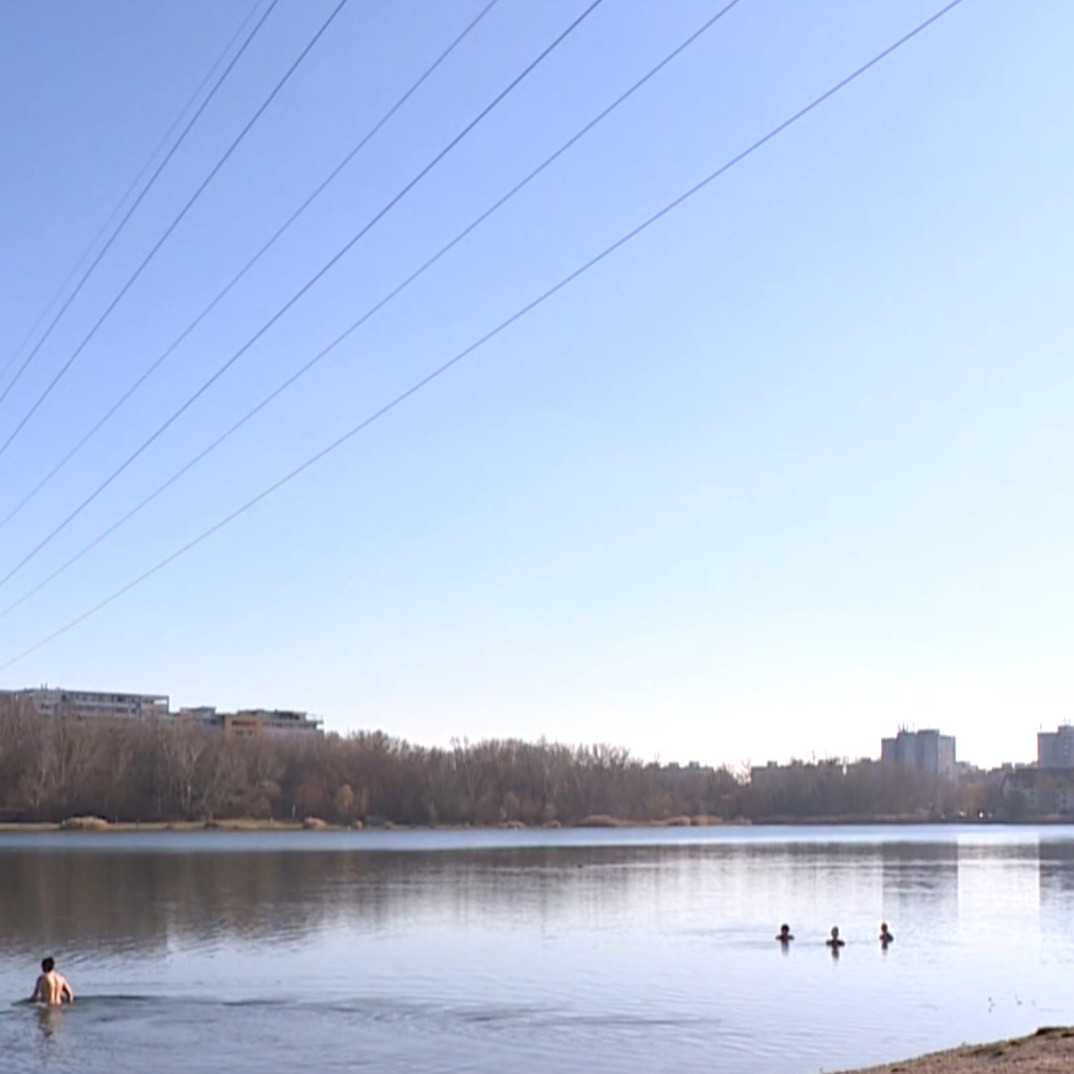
{"type": "Point", "coordinates": [123, 223]}
{"type": "Point", "coordinates": [157, 149]}
{"type": "Point", "coordinates": [372, 310]}
{"type": "Point", "coordinates": [445, 367]}
{"type": "Point", "coordinates": [276, 235]}
{"type": "Point", "coordinates": [175, 222]}
{"type": "Point", "coordinates": [343, 250]}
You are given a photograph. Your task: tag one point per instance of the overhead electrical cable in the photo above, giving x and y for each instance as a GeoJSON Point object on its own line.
{"type": "Point", "coordinates": [157, 150]}
{"type": "Point", "coordinates": [123, 223]}
{"type": "Point", "coordinates": [460, 356]}
{"type": "Point", "coordinates": [143, 264]}
{"type": "Point", "coordinates": [347, 246]}
{"type": "Point", "coordinates": [222, 294]}
{"type": "Point", "coordinates": [379, 305]}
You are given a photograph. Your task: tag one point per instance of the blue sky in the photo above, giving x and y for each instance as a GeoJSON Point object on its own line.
{"type": "Point", "coordinates": [789, 470]}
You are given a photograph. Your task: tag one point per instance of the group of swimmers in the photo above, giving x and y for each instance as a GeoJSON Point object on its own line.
{"type": "Point", "coordinates": [835, 942]}
{"type": "Point", "coordinates": [53, 990]}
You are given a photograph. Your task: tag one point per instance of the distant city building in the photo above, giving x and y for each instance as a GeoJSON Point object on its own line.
{"type": "Point", "coordinates": [91, 704]}
{"type": "Point", "coordinates": [920, 751]}
{"type": "Point", "coordinates": [270, 722]}
{"type": "Point", "coordinates": [1037, 791]}
{"type": "Point", "coordinates": [1055, 749]}
{"type": "Point", "coordinates": [773, 774]}
{"type": "Point", "coordinates": [249, 723]}
{"type": "Point", "coordinates": [197, 714]}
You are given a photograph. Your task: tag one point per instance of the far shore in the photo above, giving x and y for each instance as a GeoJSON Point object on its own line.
{"type": "Point", "coordinates": [1048, 1051]}
{"type": "Point", "coordinates": [314, 824]}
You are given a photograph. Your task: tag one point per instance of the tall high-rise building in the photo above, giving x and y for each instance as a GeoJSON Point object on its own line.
{"type": "Point", "coordinates": [922, 751]}
{"type": "Point", "coordinates": [1055, 749]}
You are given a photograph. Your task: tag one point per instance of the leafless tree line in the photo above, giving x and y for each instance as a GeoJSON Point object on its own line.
{"type": "Point", "coordinates": [159, 771]}
{"type": "Point", "coordinates": [132, 770]}
{"type": "Point", "coordinates": [869, 789]}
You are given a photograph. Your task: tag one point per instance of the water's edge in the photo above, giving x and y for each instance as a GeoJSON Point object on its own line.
{"type": "Point", "coordinates": [1017, 1054]}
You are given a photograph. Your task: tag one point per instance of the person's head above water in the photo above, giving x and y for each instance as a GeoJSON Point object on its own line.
{"type": "Point", "coordinates": [835, 932]}
{"type": "Point", "coordinates": [48, 965]}
{"type": "Point", "coordinates": [784, 933]}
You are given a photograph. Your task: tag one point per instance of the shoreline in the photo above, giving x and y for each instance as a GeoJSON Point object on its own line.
{"type": "Point", "coordinates": [242, 824]}
{"type": "Point", "coordinates": [246, 824]}
{"type": "Point", "coordinates": [1048, 1051]}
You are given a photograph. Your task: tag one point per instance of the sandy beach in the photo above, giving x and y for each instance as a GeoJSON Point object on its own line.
{"type": "Point", "coordinates": [1048, 1051]}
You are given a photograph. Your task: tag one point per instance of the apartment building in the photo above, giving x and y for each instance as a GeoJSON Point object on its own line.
{"type": "Point", "coordinates": [95, 705]}
{"type": "Point", "coordinates": [1055, 749]}
{"type": "Point", "coordinates": [922, 751]}
{"type": "Point", "coordinates": [92, 704]}
{"type": "Point", "coordinates": [250, 723]}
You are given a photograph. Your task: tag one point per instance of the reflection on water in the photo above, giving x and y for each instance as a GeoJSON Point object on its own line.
{"type": "Point", "coordinates": [924, 880]}
{"type": "Point", "coordinates": [526, 951]}
{"type": "Point", "coordinates": [48, 1020]}
{"type": "Point", "coordinates": [1056, 863]}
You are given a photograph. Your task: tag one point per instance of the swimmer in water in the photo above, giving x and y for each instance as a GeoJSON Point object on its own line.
{"type": "Point", "coordinates": [885, 936]}
{"type": "Point", "coordinates": [835, 943]}
{"type": "Point", "coordinates": [785, 934]}
{"type": "Point", "coordinates": [51, 988]}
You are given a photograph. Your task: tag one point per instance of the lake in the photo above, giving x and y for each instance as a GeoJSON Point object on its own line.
{"type": "Point", "coordinates": [550, 951]}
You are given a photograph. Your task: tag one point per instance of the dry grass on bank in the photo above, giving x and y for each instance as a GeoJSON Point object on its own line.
{"type": "Point", "coordinates": [1048, 1051]}
{"type": "Point", "coordinates": [85, 824]}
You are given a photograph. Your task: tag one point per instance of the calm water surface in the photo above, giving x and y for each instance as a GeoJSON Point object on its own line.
{"type": "Point", "coordinates": [530, 951]}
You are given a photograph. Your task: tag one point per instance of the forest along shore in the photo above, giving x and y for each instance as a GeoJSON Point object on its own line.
{"type": "Point", "coordinates": [1048, 1051]}
{"type": "Point", "coordinates": [253, 824]}
{"type": "Point", "coordinates": [167, 771]}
